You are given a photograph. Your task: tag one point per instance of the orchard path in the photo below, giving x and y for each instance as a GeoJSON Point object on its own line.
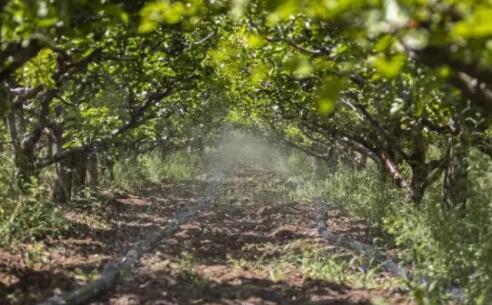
{"type": "Point", "coordinates": [251, 246]}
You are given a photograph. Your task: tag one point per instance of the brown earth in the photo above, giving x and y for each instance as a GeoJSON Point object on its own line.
{"type": "Point", "coordinates": [229, 254]}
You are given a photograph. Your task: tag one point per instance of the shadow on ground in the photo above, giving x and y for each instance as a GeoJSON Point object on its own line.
{"type": "Point", "coordinates": [219, 258]}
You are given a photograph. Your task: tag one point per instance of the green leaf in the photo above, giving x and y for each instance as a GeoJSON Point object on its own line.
{"type": "Point", "coordinates": [46, 22]}
{"type": "Point", "coordinates": [383, 43]}
{"type": "Point", "coordinates": [298, 65]}
{"type": "Point", "coordinates": [258, 74]}
{"type": "Point", "coordinates": [389, 67]}
{"type": "Point", "coordinates": [326, 106]}
{"type": "Point", "coordinates": [272, 5]}
{"type": "Point", "coordinates": [478, 25]}
{"type": "Point", "coordinates": [254, 41]}
{"type": "Point", "coordinates": [419, 107]}
{"type": "Point", "coordinates": [281, 10]}
{"type": "Point", "coordinates": [327, 96]}
{"type": "Point", "coordinates": [147, 26]}
{"type": "Point", "coordinates": [155, 13]}
{"type": "Point", "coordinates": [117, 12]}
{"type": "Point", "coordinates": [38, 70]}
{"type": "Point", "coordinates": [237, 8]}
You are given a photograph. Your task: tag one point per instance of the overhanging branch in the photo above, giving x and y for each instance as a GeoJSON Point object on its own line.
{"type": "Point", "coordinates": [103, 142]}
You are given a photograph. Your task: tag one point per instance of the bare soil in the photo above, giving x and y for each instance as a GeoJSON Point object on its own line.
{"type": "Point", "coordinates": [211, 260]}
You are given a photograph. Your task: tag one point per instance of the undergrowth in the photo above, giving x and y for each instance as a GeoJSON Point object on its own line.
{"type": "Point", "coordinates": [26, 214]}
{"type": "Point", "coordinates": [138, 171]}
{"type": "Point", "coordinates": [443, 247]}
{"type": "Point", "coordinates": [325, 264]}
{"type": "Point", "coordinates": [31, 214]}
{"type": "Point", "coordinates": [446, 248]}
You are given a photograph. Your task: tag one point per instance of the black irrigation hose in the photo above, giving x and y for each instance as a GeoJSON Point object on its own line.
{"type": "Point", "coordinates": [111, 271]}
{"type": "Point", "coordinates": [353, 245]}
{"type": "Point", "coordinates": [368, 251]}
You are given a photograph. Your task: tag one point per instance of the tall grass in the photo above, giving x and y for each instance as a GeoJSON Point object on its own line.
{"type": "Point", "coordinates": [452, 246]}
{"type": "Point", "coordinates": [32, 214]}
{"type": "Point", "coordinates": [25, 215]}
{"type": "Point", "coordinates": [447, 247]}
{"type": "Point", "coordinates": [363, 193]}
{"type": "Point", "coordinates": [138, 171]}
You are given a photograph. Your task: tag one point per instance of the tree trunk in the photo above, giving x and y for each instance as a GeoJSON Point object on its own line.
{"type": "Point", "coordinates": [420, 170]}
{"type": "Point", "coordinates": [62, 187]}
{"type": "Point", "coordinates": [418, 181]}
{"type": "Point", "coordinates": [24, 157]}
{"type": "Point", "coordinates": [107, 165]}
{"type": "Point", "coordinates": [92, 174]}
{"type": "Point", "coordinates": [79, 171]}
{"type": "Point", "coordinates": [24, 162]}
{"type": "Point", "coordinates": [416, 189]}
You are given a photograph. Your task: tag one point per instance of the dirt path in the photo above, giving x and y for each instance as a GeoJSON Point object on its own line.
{"type": "Point", "coordinates": [253, 246]}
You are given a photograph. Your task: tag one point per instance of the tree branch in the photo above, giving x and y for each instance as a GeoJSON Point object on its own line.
{"type": "Point", "coordinates": [98, 144]}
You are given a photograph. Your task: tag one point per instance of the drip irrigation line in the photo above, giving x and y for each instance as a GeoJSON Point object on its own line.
{"type": "Point", "coordinates": [112, 270]}
{"type": "Point", "coordinates": [368, 251]}
{"type": "Point", "coordinates": [353, 245]}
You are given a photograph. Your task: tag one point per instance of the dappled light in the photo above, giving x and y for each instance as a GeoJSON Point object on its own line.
{"type": "Point", "coordinates": [246, 152]}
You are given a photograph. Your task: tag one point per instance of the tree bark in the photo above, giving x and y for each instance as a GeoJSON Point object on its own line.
{"type": "Point", "coordinates": [62, 185]}
{"type": "Point", "coordinates": [92, 173]}
{"type": "Point", "coordinates": [24, 158]}
{"type": "Point", "coordinates": [107, 165]}
{"type": "Point", "coordinates": [420, 171]}
{"type": "Point", "coordinates": [79, 171]}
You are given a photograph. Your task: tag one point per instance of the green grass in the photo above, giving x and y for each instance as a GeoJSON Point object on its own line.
{"type": "Point", "coordinates": [446, 246]}
{"type": "Point", "coordinates": [25, 215]}
{"type": "Point", "coordinates": [316, 262]}
{"type": "Point", "coordinates": [177, 166]}
{"type": "Point", "coordinates": [356, 271]}
{"type": "Point", "coordinates": [151, 168]}
{"type": "Point", "coordinates": [32, 214]}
